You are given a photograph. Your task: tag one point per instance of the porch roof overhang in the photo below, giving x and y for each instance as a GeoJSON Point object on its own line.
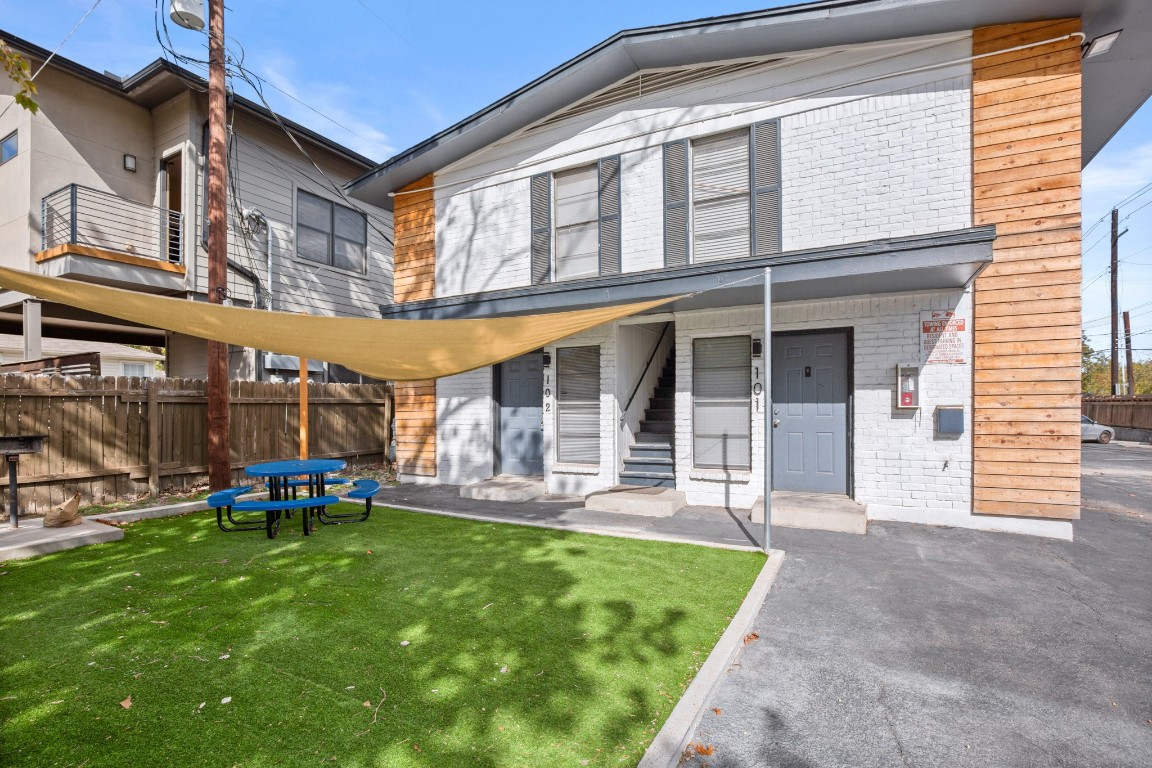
{"type": "Point", "coordinates": [943, 261]}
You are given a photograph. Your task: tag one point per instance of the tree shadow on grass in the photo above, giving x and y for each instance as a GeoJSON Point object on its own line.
{"type": "Point", "coordinates": [407, 640]}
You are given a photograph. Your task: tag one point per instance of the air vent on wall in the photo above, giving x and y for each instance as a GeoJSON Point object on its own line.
{"type": "Point", "coordinates": [648, 83]}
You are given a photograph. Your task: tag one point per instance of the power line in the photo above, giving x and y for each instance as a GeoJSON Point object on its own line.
{"type": "Point", "coordinates": [53, 54]}
{"type": "Point", "coordinates": [391, 28]}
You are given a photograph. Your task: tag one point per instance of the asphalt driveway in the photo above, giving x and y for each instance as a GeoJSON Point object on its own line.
{"type": "Point", "coordinates": [920, 646]}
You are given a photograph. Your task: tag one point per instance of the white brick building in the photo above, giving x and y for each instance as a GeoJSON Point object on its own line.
{"type": "Point", "coordinates": [861, 167]}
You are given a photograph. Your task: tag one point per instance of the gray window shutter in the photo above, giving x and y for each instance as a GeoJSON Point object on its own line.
{"type": "Point", "coordinates": [541, 228]}
{"type": "Point", "coordinates": [722, 402]}
{"type": "Point", "coordinates": [610, 215]}
{"type": "Point", "coordinates": [766, 236]}
{"type": "Point", "coordinates": [578, 405]}
{"type": "Point", "coordinates": [676, 203]}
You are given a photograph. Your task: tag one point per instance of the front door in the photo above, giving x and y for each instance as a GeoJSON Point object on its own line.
{"type": "Point", "coordinates": [810, 412]}
{"type": "Point", "coordinates": [521, 415]}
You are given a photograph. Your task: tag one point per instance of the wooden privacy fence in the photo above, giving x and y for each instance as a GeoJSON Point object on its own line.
{"type": "Point", "coordinates": [114, 438]}
{"type": "Point", "coordinates": [1130, 412]}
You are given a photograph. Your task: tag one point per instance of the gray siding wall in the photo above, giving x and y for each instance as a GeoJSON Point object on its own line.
{"type": "Point", "coordinates": [267, 169]}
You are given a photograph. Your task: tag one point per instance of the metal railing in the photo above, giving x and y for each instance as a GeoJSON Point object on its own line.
{"type": "Point", "coordinates": [76, 215]}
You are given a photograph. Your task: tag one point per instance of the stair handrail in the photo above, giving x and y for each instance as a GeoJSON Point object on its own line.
{"type": "Point", "coordinates": [647, 365]}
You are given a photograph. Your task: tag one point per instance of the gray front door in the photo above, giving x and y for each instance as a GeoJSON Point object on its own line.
{"type": "Point", "coordinates": [810, 410]}
{"type": "Point", "coordinates": [521, 415]}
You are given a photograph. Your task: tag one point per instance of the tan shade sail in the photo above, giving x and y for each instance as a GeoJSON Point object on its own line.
{"type": "Point", "coordinates": [398, 350]}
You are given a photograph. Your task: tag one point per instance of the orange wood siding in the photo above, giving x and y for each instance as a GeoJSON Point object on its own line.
{"type": "Point", "coordinates": [415, 243]}
{"type": "Point", "coordinates": [1026, 181]}
{"type": "Point", "coordinates": [415, 279]}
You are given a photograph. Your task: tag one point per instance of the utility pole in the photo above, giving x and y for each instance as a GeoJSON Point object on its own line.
{"type": "Point", "coordinates": [1128, 354]}
{"type": "Point", "coordinates": [1115, 369]}
{"type": "Point", "coordinates": [219, 450]}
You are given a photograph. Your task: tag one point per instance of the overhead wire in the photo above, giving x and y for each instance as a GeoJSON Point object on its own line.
{"type": "Point", "coordinates": [52, 55]}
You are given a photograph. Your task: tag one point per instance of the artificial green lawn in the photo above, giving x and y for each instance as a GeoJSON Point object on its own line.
{"type": "Point", "coordinates": [525, 646]}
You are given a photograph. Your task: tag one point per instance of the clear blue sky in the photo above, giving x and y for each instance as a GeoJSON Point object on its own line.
{"type": "Point", "coordinates": [381, 77]}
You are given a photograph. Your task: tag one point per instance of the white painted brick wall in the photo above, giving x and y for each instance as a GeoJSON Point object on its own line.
{"type": "Point", "coordinates": [483, 239]}
{"type": "Point", "coordinates": [642, 210]}
{"type": "Point", "coordinates": [887, 166]}
{"type": "Point", "coordinates": [858, 165]}
{"type": "Point", "coordinates": [464, 427]}
{"type": "Point", "coordinates": [896, 459]}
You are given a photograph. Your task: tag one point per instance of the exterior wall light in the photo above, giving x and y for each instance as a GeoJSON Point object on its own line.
{"type": "Point", "coordinates": [1101, 44]}
{"type": "Point", "coordinates": [130, 163]}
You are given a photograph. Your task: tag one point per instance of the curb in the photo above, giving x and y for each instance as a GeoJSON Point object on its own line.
{"type": "Point", "coordinates": [166, 510]}
{"type": "Point", "coordinates": [667, 748]}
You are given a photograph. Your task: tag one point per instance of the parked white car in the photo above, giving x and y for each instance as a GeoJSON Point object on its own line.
{"type": "Point", "coordinates": [1090, 430]}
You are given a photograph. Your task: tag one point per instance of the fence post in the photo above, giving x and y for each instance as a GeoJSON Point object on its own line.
{"type": "Point", "coordinates": [153, 437]}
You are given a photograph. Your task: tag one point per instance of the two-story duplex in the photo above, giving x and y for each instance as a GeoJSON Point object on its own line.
{"type": "Point", "coordinates": [106, 184]}
{"type": "Point", "coordinates": [909, 170]}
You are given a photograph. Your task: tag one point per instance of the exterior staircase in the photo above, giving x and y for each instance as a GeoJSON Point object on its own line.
{"type": "Point", "coordinates": [652, 460]}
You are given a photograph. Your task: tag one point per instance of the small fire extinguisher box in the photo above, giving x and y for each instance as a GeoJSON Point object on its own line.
{"type": "Point", "coordinates": [908, 385]}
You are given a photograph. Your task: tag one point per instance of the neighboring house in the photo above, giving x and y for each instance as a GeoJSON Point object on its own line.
{"type": "Point", "coordinates": [115, 359]}
{"type": "Point", "coordinates": [106, 184]}
{"type": "Point", "coordinates": [916, 198]}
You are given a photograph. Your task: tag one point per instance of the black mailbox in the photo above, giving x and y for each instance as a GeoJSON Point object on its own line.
{"type": "Point", "coordinates": [12, 446]}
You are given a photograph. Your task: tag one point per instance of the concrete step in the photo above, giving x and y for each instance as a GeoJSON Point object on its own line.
{"type": "Point", "coordinates": [659, 427]}
{"type": "Point", "coordinates": [663, 403]}
{"type": "Point", "coordinates": [661, 465]}
{"type": "Point", "coordinates": [648, 479]}
{"type": "Point", "coordinates": [632, 500]}
{"type": "Point", "coordinates": [649, 439]}
{"type": "Point", "coordinates": [32, 538]}
{"type": "Point", "coordinates": [510, 488]}
{"type": "Point", "coordinates": [813, 511]}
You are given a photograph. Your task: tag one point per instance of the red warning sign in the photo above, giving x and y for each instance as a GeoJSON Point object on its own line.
{"type": "Point", "coordinates": [944, 337]}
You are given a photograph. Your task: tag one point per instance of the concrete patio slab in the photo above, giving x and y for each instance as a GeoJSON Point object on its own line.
{"type": "Point", "coordinates": [630, 500]}
{"type": "Point", "coordinates": [508, 488]}
{"type": "Point", "coordinates": [813, 512]}
{"type": "Point", "coordinates": [32, 538]}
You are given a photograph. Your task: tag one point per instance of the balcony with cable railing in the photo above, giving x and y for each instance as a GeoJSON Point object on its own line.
{"type": "Point", "coordinates": [90, 234]}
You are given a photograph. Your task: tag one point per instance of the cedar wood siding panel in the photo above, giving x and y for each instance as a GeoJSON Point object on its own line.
{"type": "Point", "coordinates": [1026, 181]}
{"type": "Point", "coordinates": [415, 278]}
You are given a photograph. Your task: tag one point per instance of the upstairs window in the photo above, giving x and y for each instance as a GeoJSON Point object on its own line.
{"type": "Point", "coordinates": [9, 147]}
{"type": "Point", "coordinates": [576, 222]}
{"type": "Point", "coordinates": [722, 196]}
{"type": "Point", "coordinates": [331, 234]}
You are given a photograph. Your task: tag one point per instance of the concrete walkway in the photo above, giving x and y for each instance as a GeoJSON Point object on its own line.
{"type": "Point", "coordinates": [919, 646]}
{"type": "Point", "coordinates": [703, 525]}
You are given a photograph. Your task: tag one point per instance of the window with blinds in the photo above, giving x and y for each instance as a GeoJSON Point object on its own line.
{"type": "Point", "coordinates": [722, 402]}
{"type": "Point", "coordinates": [578, 405]}
{"type": "Point", "coordinates": [577, 223]}
{"type": "Point", "coordinates": [721, 211]}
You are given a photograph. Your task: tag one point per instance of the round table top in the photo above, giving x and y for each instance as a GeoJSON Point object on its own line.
{"type": "Point", "coordinates": [295, 467]}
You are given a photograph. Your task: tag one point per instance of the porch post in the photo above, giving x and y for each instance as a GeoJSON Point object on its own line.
{"type": "Point", "coordinates": [767, 345]}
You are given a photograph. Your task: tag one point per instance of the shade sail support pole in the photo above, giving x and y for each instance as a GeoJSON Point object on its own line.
{"type": "Point", "coordinates": [769, 416]}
